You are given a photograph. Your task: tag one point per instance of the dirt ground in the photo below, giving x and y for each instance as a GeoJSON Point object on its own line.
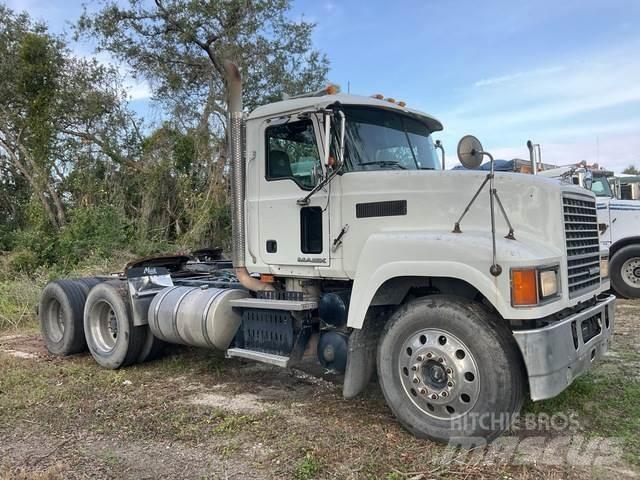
{"type": "Point", "coordinates": [193, 414]}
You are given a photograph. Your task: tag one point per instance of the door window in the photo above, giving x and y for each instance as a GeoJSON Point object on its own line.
{"type": "Point", "coordinates": [292, 153]}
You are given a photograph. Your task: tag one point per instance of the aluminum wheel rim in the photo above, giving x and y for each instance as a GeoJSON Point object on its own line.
{"type": "Point", "coordinates": [631, 272]}
{"type": "Point", "coordinates": [439, 374]}
{"type": "Point", "coordinates": [104, 326]}
{"type": "Point", "coordinates": [55, 320]}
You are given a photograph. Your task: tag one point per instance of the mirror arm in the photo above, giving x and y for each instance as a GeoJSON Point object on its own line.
{"type": "Point", "coordinates": [305, 200]}
{"type": "Point", "coordinates": [440, 147]}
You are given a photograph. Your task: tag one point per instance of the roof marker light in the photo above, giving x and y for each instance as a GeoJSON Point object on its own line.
{"type": "Point", "coordinates": [402, 104]}
{"type": "Point", "coordinates": [332, 89]}
{"type": "Point", "coordinates": [390, 100]}
{"type": "Point", "coordinates": [379, 96]}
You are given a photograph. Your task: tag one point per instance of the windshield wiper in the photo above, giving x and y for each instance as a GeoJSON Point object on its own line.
{"type": "Point", "coordinates": [385, 163]}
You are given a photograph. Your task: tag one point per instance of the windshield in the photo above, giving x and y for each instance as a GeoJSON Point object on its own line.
{"type": "Point", "coordinates": [377, 139]}
{"type": "Point", "coordinates": [601, 187]}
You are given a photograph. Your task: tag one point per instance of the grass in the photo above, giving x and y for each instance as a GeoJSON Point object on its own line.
{"type": "Point", "coordinates": [308, 432]}
{"type": "Point", "coordinates": [607, 404]}
{"type": "Point", "coordinates": [326, 437]}
{"type": "Point", "coordinates": [307, 468]}
{"type": "Point", "coordinates": [18, 298]}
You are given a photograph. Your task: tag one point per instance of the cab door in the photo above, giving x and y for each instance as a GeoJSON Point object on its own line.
{"type": "Point", "coordinates": [290, 234]}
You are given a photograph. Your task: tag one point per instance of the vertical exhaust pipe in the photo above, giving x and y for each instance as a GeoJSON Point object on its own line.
{"type": "Point", "coordinates": [233, 82]}
{"type": "Point", "coordinates": [532, 157]}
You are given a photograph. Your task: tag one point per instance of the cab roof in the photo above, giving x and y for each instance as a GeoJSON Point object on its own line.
{"type": "Point", "coordinates": [291, 105]}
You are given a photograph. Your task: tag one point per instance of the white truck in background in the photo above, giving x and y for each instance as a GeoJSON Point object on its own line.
{"type": "Point", "coordinates": [353, 247]}
{"type": "Point", "coordinates": [618, 222]}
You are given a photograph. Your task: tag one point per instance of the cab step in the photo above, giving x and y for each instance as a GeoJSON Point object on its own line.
{"type": "Point", "coordinates": [269, 304]}
{"type": "Point", "coordinates": [270, 358]}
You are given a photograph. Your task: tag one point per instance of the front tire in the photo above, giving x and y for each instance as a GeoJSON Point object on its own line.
{"type": "Point", "coordinates": [112, 338]}
{"type": "Point", "coordinates": [625, 271]}
{"type": "Point", "coordinates": [449, 370]}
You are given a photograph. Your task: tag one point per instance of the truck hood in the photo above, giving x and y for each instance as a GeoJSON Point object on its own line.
{"type": "Point", "coordinates": [436, 199]}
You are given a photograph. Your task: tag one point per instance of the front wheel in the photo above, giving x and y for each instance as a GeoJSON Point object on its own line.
{"type": "Point", "coordinates": [449, 370]}
{"type": "Point", "coordinates": [625, 271]}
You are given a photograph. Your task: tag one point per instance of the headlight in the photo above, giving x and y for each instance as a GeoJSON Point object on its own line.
{"type": "Point", "coordinates": [531, 286]}
{"type": "Point", "coordinates": [604, 267]}
{"type": "Point", "coordinates": [548, 283]}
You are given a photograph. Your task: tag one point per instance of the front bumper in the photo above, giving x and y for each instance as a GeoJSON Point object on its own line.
{"type": "Point", "coordinates": [557, 354]}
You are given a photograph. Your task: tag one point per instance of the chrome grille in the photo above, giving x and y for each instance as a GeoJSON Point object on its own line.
{"type": "Point", "coordinates": [583, 244]}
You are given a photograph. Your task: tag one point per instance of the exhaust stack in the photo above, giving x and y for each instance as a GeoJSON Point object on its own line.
{"type": "Point", "coordinates": [532, 157]}
{"type": "Point", "coordinates": [233, 82]}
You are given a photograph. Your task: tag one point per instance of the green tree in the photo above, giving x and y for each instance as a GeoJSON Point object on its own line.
{"type": "Point", "coordinates": [57, 113]}
{"type": "Point", "coordinates": [178, 46]}
{"type": "Point", "coordinates": [631, 170]}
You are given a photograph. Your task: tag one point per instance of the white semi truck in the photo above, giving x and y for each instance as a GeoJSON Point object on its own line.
{"type": "Point", "coordinates": [350, 244]}
{"type": "Point", "coordinates": [618, 222]}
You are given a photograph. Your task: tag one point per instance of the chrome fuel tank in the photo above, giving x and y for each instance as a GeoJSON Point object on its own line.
{"type": "Point", "coordinates": [195, 316]}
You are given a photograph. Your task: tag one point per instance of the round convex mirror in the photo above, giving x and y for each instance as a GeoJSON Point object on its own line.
{"type": "Point", "coordinates": [470, 152]}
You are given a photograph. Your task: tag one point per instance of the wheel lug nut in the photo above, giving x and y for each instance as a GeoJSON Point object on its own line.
{"type": "Point", "coordinates": [449, 371]}
{"type": "Point", "coordinates": [429, 355]}
{"type": "Point", "coordinates": [441, 359]}
{"type": "Point", "coordinates": [423, 391]}
{"type": "Point", "coordinates": [434, 397]}
{"type": "Point", "coordinates": [444, 394]}
{"type": "Point", "coordinates": [449, 384]}
{"type": "Point", "coordinates": [415, 380]}
{"type": "Point", "coordinates": [414, 368]}
{"type": "Point", "coordinates": [419, 358]}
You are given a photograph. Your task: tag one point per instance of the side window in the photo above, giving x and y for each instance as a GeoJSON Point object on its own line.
{"type": "Point", "coordinates": [292, 153]}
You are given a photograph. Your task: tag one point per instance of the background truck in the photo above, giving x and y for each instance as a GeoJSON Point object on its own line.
{"type": "Point", "coordinates": [351, 245]}
{"type": "Point", "coordinates": [618, 222]}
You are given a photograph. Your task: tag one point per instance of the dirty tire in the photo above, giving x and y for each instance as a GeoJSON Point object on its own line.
{"type": "Point", "coordinates": [87, 283]}
{"type": "Point", "coordinates": [478, 365]}
{"type": "Point", "coordinates": [152, 346]}
{"type": "Point", "coordinates": [112, 338]}
{"type": "Point", "coordinates": [60, 312]}
{"type": "Point", "coordinates": [624, 269]}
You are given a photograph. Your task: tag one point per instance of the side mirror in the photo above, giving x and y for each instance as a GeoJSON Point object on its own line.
{"type": "Point", "coordinates": [470, 152]}
{"type": "Point", "coordinates": [588, 179]}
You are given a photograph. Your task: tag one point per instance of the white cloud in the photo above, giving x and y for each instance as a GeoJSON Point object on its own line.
{"type": "Point", "coordinates": [516, 76]}
{"type": "Point", "coordinates": [565, 109]}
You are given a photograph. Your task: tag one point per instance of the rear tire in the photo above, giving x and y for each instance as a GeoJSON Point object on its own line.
{"type": "Point", "coordinates": [624, 269]}
{"type": "Point", "coordinates": [112, 338]}
{"type": "Point", "coordinates": [450, 370]}
{"type": "Point", "coordinates": [60, 312]}
{"type": "Point", "coordinates": [152, 346]}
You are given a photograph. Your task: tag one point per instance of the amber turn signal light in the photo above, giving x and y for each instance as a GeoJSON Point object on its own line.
{"type": "Point", "coordinates": [524, 287]}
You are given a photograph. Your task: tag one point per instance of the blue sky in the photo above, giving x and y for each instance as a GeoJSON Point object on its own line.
{"type": "Point", "coordinates": [563, 73]}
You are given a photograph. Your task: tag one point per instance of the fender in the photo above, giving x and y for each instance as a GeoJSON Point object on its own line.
{"type": "Point", "coordinates": [419, 253]}
{"type": "Point", "coordinates": [623, 242]}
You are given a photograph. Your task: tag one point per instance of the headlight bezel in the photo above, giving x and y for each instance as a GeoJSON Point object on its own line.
{"type": "Point", "coordinates": [538, 271]}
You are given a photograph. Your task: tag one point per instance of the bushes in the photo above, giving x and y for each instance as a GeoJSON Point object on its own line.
{"type": "Point", "coordinates": [94, 231]}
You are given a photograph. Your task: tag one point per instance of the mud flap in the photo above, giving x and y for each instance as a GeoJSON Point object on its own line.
{"type": "Point", "coordinates": [361, 357]}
